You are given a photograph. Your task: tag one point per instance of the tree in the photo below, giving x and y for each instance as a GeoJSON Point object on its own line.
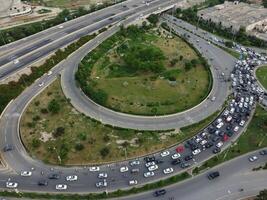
{"type": "Point", "coordinates": [104, 151]}
{"type": "Point", "coordinates": [229, 44]}
{"type": "Point", "coordinates": [153, 19]}
{"type": "Point", "coordinates": [262, 195]}
{"type": "Point", "coordinates": [54, 106]}
{"type": "Point", "coordinates": [264, 3]}
{"type": "Point", "coordinates": [79, 146]}
{"type": "Point", "coordinates": [59, 132]}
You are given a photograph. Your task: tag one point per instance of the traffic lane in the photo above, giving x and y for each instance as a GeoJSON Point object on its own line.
{"type": "Point", "coordinates": [11, 68]}
{"type": "Point", "coordinates": [234, 174]}
{"type": "Point", "coordinates": [64, 31]}
{"type": "Point", "coordinates": [83, 19]}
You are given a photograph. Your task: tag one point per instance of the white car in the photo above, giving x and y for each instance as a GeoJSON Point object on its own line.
{"type": "Point", "coordinates": [219, 145]}
{"type": "Point", "coordinates": [124, 169]}
{"type": "Point", "coordinates": [11, 185]}
{"type": "Point", "coordinates": [253, 158]}
{"type": "Point", "coordinates": [203, 142]}
{"type": "Point", "coordinates": [219, 125]}
{"type": "Point", "coordinates": [16, 61]}
{"type": "Point", "coordinates": [60, 26]}
{"type": "Point", "coordinates": [49, 73]}
{"type": "Point", "coordinates": [102, 175]}
{"type": "Point", "coordinates": [168, 170]}
{"type": "Point", "coordinates": [148, 174]}
{"type": "Point", "coordinates": [195, 152]}
{"type": "Point", "coordinates": [153, 168]}
{"type": "Point", "coordinates": [135, 162]}
{"type": "Point", "coordinates": [26, 173]}
{"type": "Point", "coordinates": [242, 123]}
{"type": "Point", "coordinates": [41, 84]}
{"type": "Point", "coordinates": [175, 156]}
{"type": "Point", "coordinates": [164, 153]}
{"type": "Point", "coordinates": [229, 118]}
{"type": "Point", "coordinates": [94, 169]}
{"type": "Point", "coordinates": [102, 184]}
{"type": "Point", "coordinates": [133, 182]}
{"type": "Point", "coordinates": [226, 112]}
{"type": "Point", "coordinates": [72, 178]}
{"type": "Point", "coordinates": [236, 128]}
{"type": "Point", "coordinates": [61, 187]}
{"type": "Point", "coordinates": [150, 164]}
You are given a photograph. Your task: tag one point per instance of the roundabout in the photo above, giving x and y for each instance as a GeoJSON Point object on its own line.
{"type": "Point", "coordinates": [190, 152]}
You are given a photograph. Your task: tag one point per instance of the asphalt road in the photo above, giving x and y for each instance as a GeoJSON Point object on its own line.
{"type": "Point", "coordinates": [221, 62]}
{"type": "Point", "coordinates": [16, 56]}
{"type": "Point", "coordinates": [234, 175]}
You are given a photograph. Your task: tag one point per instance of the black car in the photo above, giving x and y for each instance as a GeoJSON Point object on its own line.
{"type": "Point", "coordinates": [159, 161]}
{"type": "Point", "coordinates": [184, 165]}
{"type": "Point", "coordinates": [176, 162]}
{"type": "Point", "coordinates": [263, 152]}
{"type": "Point", "coordinates": [42, 183]}
{"type": "Point", "coordinates": [208, 145]}
{"type": "Point", "coordinates": [150, 159]}
{"type": "Point", "coordinates": [213, 175]}
{"type": "Point", "coordinates": [8, 147]}
{"type": "Point", "coordinates": [216, 150]}
{"type": "Point", "coordinates": [53, 176]}
{"type": "Point", "coordinates": [188, 157]}
{"type": "Point", "coordinates": [229, 133]}
{"type": "Point", "coordinates": [160, 192]}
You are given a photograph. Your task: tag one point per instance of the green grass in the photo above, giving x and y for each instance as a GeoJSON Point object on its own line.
{"type": "Point", "coordinates": [37, 122]}
{"type": "Point", "coordinates": [144, 92]}
{"type": "Point", "coordinates": [261, 74]}
{"type": "Point", "coordinates": [254, 138]}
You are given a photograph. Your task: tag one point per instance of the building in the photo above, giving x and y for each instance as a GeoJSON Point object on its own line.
{"type": "Point", "coordinates": [237, 14]}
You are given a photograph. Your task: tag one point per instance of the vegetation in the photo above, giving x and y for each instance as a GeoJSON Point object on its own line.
{"type": "Point", "coordinates": [13, 89]}
{"type": "Point", "coordinates": [78, 139]}
{"type": "Point", "coordinates": [254, 138]}
{"type": "Point", "coordinates": [190, 15]}
{"type": "Point", "coordinates": [142, 71]}
{"type": "Point", "coordinates": [119, 193]}
{"type": "Point", "coordinates": [261, 74]}
{"type": "Point", "coordinates": [262, 194]}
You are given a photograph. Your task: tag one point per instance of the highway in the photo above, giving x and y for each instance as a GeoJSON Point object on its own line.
{"type": "Point", "coordinates": [20, 54]}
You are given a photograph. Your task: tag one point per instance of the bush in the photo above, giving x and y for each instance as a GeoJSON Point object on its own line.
{"type": "Point", "coordinates": [54, 106]}
{"type": "Point", "coordinates": [79, 146]}
{"type": "Point", "coordinates": [36, 143]}
{"type": "Point", "coordinates": [153, 19]}
{"type": "Point", "coordinates": [104, 151]}
{"type": "Point", "coordinates": [59, 132]}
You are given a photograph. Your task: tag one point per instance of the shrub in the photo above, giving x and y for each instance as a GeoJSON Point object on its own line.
{"type": "Point", "coordinates": [54, 106]}
{"type": "Point", "coordinates": [59, 132]}
{"type": "Point", "coordinates": [79, 146]}
{"type": "Point", "coordinates": [104, 151]}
